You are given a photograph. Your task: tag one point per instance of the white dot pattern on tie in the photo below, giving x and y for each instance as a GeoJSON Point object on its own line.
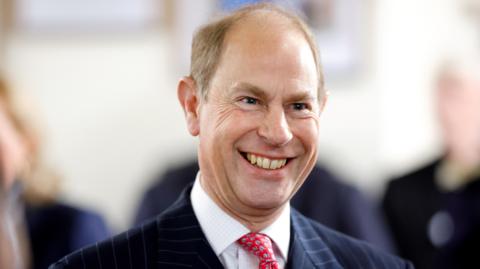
{"type": "Point", "coordinates": [260, 245]}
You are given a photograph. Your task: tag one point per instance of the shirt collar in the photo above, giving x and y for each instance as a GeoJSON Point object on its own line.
{"type": "Point", "coordinates": [279, 231]}
{"type": "Point", "coordinates": [221, 230]}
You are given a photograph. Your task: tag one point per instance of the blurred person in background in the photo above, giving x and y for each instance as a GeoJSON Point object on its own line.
{"type": "Point", "coordinates": [434, 211]}
{"type": "Point", "coordinates": [35, 228]}
{"type": "Point", "coordinates": [353, 214]}
{"type": "Point", "coordinates": [14, 248]}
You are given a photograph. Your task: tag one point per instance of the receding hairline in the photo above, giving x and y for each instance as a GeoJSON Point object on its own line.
{"type": "Point", "coordinates": [265, 15]}
{"type": "Point", "coordinates": [281, 21]}
{"type": "Point", "coordinates": [267, 20]}
{"type": "Point", "coordinates": [268, 15]}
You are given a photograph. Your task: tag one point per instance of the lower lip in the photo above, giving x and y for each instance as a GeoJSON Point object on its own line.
{"type": "Point", "coordinates": [273, 174]}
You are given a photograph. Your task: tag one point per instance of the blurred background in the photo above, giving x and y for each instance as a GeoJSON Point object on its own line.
{"type": "Point", "coordinates": [103, 76]}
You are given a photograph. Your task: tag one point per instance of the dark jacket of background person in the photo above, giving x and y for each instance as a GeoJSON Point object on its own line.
{"type": "Point", "coordinates": [434, 228]}
{"type": "Point", "coordinates": [323, 197]}
{"type": "Point", "coordinates": [58, 229]}
{"type": "Point", "coordinates": [55, 229]}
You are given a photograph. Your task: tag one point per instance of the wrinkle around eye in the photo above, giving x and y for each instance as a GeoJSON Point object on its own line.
{"type": "Point", "coordinates": [304, 113]}
{"type": "Point", "coordinates": [224, 112]}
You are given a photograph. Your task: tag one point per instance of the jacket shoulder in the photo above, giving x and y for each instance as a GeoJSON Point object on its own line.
{"type": "Point", "coordinates": [353, 253]}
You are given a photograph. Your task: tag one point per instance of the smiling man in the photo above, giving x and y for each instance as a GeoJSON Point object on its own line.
{"type": "Point", "coordinates": [253, 99]}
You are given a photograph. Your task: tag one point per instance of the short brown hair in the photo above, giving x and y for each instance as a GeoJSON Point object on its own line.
{"type": "Point", "coordinates": [208, 44]}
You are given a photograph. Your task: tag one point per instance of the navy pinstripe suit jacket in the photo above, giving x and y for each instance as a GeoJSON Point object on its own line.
{"type": "Point", "coordinates": [174, 239]}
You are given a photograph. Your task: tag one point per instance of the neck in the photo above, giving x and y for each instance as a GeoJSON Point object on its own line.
{"type": "Point", "coordinates": [255, 219]}
{"type": "Point", "coordinates": [257, 222]}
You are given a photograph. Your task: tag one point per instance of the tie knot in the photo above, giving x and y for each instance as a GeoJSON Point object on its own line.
{"type": "Point", "coordinates": [261, 246]}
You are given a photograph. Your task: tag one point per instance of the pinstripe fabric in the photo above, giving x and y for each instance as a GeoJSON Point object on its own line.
{"type": "Point", "coordinates": [316, 246]}
{"type": "Point", "coordinates": [175, 240]}
{"type": "Point", "coordinates": [307, 249]}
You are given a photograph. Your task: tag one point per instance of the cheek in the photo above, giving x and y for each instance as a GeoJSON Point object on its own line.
{"type": "Point", "coordinates": [221, 127]}
{"type": "Point", "coordinates": [232, 123]}
{"type": "Point", "coordinates": [223, 118]}
{"type": "Point", "coordinates": [307, 131]}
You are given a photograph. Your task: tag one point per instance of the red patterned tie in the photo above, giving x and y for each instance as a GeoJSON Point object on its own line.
{"type": "Point", "coordinates": [261, 246]}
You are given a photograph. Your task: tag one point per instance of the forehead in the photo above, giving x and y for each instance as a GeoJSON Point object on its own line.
{"type": "Point", "coordinates": [262, 30]}
{"type": "Point", "coordinates": [267, 50]}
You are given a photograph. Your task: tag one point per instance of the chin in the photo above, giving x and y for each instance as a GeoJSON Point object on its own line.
{"type": "Point", "coordinates": [265, 202]}
{"type": "Point", "coordinates": [262, 194]}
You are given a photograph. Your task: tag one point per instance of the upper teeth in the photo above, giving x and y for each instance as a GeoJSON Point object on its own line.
{"type": "Point", "coordinates": [266, 163]}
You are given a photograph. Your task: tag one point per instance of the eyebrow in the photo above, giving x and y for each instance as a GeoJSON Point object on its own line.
{"type": "Point", "coordinates": [259, 92]}
{"type": "Point", "coordinates": [302, 96]}
{"type": "Point", "coordinates": [247, 87]}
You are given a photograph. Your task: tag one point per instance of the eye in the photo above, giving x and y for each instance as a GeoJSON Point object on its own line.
{"type": "Point", "coordinates": [300, 106]}
{"type": "Point", "coordinates": [249, 103]}
{"type": "Point", "coordinates": [301, 110]}
{"type": "Point", "coordinates": [249, 100]}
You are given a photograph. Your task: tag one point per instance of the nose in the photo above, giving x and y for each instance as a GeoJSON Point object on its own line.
{"type": "Point", "coordinates": [274, 128]}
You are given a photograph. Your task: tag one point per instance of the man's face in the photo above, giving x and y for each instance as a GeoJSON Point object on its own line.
{"type": "Point", "coordinates": [258, 129]}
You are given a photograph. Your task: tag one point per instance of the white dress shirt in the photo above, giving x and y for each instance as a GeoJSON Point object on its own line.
{"type": "Point", "coordinates": [222, 231]}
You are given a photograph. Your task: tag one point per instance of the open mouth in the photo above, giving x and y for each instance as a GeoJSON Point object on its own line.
{"type": "Point", "coordinates": [264, 162]}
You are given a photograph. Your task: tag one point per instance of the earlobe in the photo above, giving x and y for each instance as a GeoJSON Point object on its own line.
{"type": "Point", "coordinates": [189, 100]}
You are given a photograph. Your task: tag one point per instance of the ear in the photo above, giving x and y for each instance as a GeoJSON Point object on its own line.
{"type": "Point", "coordinates": [190, 101]}
{"type": "Point", "coordinates": [324, 100]}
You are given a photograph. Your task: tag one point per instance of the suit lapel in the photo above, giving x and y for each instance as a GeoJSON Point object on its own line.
{"type": "Point", "coordinates": [307, 249]}
{"type": "Point", "coordinates": [181, 242]}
